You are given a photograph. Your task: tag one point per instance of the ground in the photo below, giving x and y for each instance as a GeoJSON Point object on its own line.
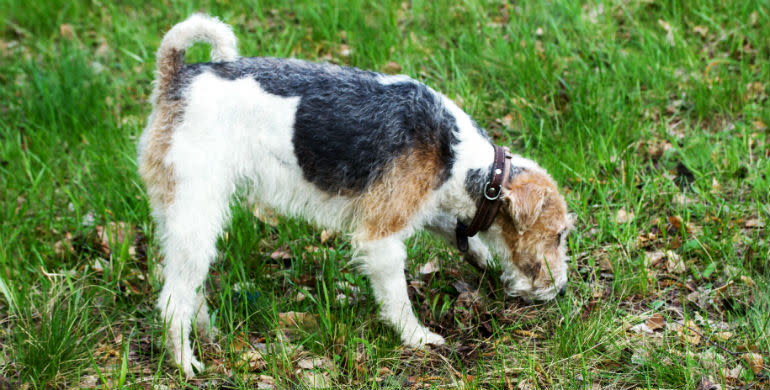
{"type": "Point", "coordinates": [652, 116]}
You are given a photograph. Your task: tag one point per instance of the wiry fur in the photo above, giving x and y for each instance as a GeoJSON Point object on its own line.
{"type": "Point", "coordinates": [373, 155]}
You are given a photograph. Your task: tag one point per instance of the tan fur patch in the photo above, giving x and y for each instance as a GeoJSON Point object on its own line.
{"type": "Point", "coordinates": [390, 204]}
{"type": "Point", "coordinates": [157, 175]}
{"type": "Point", "coordinates": [530, 221]}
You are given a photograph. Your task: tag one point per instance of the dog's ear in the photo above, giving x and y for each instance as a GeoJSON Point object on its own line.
{"type": "Point", "coordinates": [524, 201]}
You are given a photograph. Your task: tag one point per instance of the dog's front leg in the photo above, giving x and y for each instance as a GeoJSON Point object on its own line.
{"type": "Point", "coordinates": [383, 262]}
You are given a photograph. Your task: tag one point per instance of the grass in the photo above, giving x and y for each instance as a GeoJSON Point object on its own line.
{"type": "Point", "coordinates": [654, 109]}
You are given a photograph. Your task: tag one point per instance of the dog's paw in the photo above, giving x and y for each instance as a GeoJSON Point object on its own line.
{"type": "Point", "coordinates": [192, 367]}
{"type": "Point", "coordinates": [422, 336]}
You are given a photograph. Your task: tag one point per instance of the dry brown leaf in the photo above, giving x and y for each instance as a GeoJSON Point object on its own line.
{"type": "Point", "coordinates": [622, 216]}
{"type": "Point", "coordinates": [252, 359]}
{"type": "Point", "coordinates": [265, 382]}
{"type": "Point", "coordinates": [710, 360]}
{"type": "Point", "coordinates": [653, 258]}
{"type": "Point", "coordinates": [391, 67]}
{"type": "Point", "coordinates": [754, 360]}
{"type": "Point", "coordinates": [689, 333]}
{"type": "Point", "coordinates": [315, 363]}
{"type": "Point", "coordinates": [708, 384]}
{"type": "Point", "coordinates": [734, 373]}
{"type": "Point", "coordinates": [675, 221]}
{"type": "Point", "coordinates": [506, 121]}
{"type": "Point", "coordinates": [265, 215]}
{"type": "Point", "coordinates": [754, 223]}
{"type": "Point", "coordinates": [65, 30]}
{"type": "Point", "coordinates": [327, 235]}
{"type": "Point", "coordinates": [700, 30]}
{"type": "Point", "coordinates": [64, 246]}
{"type": "Point", "coordinates": [315, 380]}
{"type": "Point", "coordinates": [641, 328]}
{"type": "Point", "coordinates": [656, 321]}
{"type": "Point", "coordinates": [674, 263]}
{"type": "Point", "coordinates": [114, 233]}
{"type": "Point", "coordinates": [345, 50]}
{"type": "Point", "coordinates": [293, 319]}
{"type": "Point", "coordinates": [280, 254]}
{"type": "Point", "coordinates": [429, 268]}
{"type": "Point", "coordinates": [747, 280]}
{"type": "Point", "coordinates": [721, 336]}
{"type": "Point", "coordinates": [527, 333]}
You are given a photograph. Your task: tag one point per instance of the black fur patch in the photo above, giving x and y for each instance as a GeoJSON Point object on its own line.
{"type": "Point", "coordinates": [349, 125]}
{"type": "Point", "coordinates": [476, 179]}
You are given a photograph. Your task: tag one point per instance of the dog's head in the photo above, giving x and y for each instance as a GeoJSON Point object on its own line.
{"type": "Point", "coordinates": [530, 236]}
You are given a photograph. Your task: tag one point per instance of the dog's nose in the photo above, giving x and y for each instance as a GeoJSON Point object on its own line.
{"type": "Point", "coordinates": [563, 290]}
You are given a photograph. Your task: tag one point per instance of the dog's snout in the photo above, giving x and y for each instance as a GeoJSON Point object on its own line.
{"type": "Point", "coordinates": [563, 290]}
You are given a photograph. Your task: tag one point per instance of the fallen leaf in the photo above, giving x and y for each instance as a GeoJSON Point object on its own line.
{"type": "Point", "coordinates": [700, 30]}
{"type": "Point", "coordinates": [265, 215]}
{"type": "Point", "coordinates": [641, 328]}
{"type": "Point", "coordinates": [391, 67]}
{"type": "Point", "coordinates": [675, 221]}
{"type": "Point", "coordinates": [65, 30]}
{"type": "Point", "coordinates": [622, 216]}
{"type": "Point", "coordinates": [754, 360]}
{"type": "Point", "coordinates": [721, 336]}
{"type": "Point", "coordinates": [754, 223]}
{"type": "Point", "coordinates": [265, 382]}
{"type": "Point", "coordinates": [747, 280]}
{"type": "Point", "coordinates": [252, 359]}
{"type": "Point", "coordinates": [327, 235]}
{"type": "Point", "coordinates": [315, 363]}
{"type": "Point", "coordinates": [296, 319]}
{"type": "Point", "coordinates": [711, 360]}
{"type": "Point", "coordinates": [64, 246]}
{"type": "Point", "coordinates": [114, 233]}
{"type": "Point", "coordinates": [653, 258]}
{"type": "Point", "coordinates": [506, 121]}
{"type": "Point", "coordinates": [708, 384]}
{"type": "Point", "coordinates": [689, 332]}
{"type": "Point", "coordinates": [280, 254]}
{"type": "Point", "coordinates": [345, 50]}
{"type": "Point", "coordinates": [734, 373]}
{"type": "Point", "coordinates": [527, 333]}
{"type": "Point", "coordinates": [462, 286]}
{"type": "Point", "coordinates": [86, 382]}
{"type": "Point", "coordinates": [674, 263]}
{"type": "Point", "coordinates": [655, 322]}
{"type": "Point", "coordinates": [428, 268]}
{"type": "Point", "coordinates": [315, 380]}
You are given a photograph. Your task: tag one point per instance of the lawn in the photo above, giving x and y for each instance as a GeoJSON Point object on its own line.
{"type": "Point", "coordinates": [652, 116]}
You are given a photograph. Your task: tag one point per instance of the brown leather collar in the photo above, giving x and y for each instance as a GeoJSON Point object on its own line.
{"type": "Point", "coordinates": [490, 202]}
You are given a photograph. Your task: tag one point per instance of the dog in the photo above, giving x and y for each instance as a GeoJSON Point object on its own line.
{"type": "Point", "coordinates": [376, 156]}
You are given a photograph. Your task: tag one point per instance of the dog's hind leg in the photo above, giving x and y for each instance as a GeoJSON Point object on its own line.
{"type": "Point", "coordinates": [203, 325]}
{"type": "Point", "coordinates": [383, 262]}
{"type": "Point", "coordinates": [193, 221]}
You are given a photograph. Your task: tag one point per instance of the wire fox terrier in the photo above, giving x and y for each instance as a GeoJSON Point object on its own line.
{"type": "Point", "coordinates": [374, 155]}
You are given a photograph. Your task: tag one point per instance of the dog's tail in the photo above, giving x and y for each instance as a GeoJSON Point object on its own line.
{"type": "Point", "coordinates": [197, 28]}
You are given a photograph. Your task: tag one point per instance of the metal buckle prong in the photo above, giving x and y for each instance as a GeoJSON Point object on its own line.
{"type": "Point", "coordinates": [494, 197]}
